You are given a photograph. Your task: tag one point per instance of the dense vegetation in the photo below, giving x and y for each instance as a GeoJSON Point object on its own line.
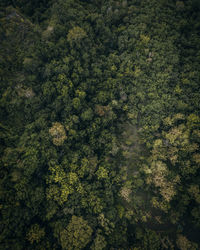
{"type": "Point", "coordinates": [100, 124]}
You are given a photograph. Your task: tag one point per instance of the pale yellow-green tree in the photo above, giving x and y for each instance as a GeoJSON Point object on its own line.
{"type": "Point", "coordinates": [58, 133]}
{"type": "Point", "coordinates": [61, 184]}
{"type": "Point", "coordinates": [159, 177]}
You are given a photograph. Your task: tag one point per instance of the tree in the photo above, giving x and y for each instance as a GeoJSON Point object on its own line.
{"type": "Point", "coordinates": [87, 115]}
{"type": "Point", "coordinates": [76, 235]}
{"type": "Point", "coordinates": [75, 35]}
{"type": "Point", "coordinates": [35, 234]}
{"type": "Point", "coordinates": [58, 134]}
{"type": "Point", "coordinates": [184, 244]}
{"type": "Point", "coordinates": [99, 242]}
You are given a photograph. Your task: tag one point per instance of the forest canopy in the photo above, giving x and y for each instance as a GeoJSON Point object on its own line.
{"type": "Point", "coordinates": [99, 124]}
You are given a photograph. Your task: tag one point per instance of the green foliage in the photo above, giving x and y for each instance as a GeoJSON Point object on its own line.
{"type": "Point", "coordinates": [99, 242]}
{"type": "Point", "coordinates": [99, 110]}
{"type": "Point", "coordinates": [35, 234]}
{"type": "Point", "coordinates": [149, 239]}
{"type": "Point", "coordinates": [76, 235]}
{"type": "Point", "coordinates": [87, 115]}
{"type": "Point", "coordinates": [102, 173]}
{"type": "Point", "coordinates": [184, 244]}
{"type": "Point", "coordinates": [76, 34]}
